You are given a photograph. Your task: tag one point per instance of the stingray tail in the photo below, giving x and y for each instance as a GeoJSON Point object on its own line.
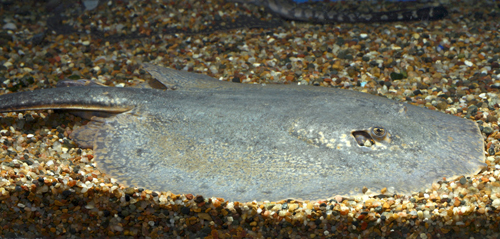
{"type": "Point", "coordinates": [104, 99]}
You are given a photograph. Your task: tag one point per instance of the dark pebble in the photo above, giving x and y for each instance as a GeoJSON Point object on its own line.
{"type": "Point", "coordinates": [472, 110]}
{"type": "Point", "coordinates": [422, 86]}
{"type": "Point", "coordinates": [199, 199]}
{"type": "Point", "coordinates": [60, 130]}
{"type": "Point", "coordinates": [396, 76]}
{"type": "Point", "coordinates": [442, 105]}
{"type": "Point", "coordinates": [487, 130]}
{"type": "Point", "coordinates": [76, 169]}
{"type": "Point", "coordinates": [351, 71]}
{"type": "Point", "coordinates": [11, 153]}
{"type": "Point", "coordinates": [491, 118]}
{"type": "Point", "coordinates": [491, 150]}
{"type": "Point", "coordinates": [443, 200]}
{"type": "Point", "coordinates": [340, 41]}
{"type": "Point", "coordinates": [185, 210]}
{"type": "Point", "coordinates": [106, 213]}
{"type": "Point", "coordinates": [125, 213]}
{"type": "Point", "coordinates": [463, 181]}
{"type": "Point", "coordinates": [206, 231]}
{"type": "Point", "coordinates": [66, 193]}
{"type": "Point", "coordinates": [427, 59]}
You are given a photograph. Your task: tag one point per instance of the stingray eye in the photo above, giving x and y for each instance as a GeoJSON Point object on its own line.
{"type": "Point", "coordinates": [378, 132]}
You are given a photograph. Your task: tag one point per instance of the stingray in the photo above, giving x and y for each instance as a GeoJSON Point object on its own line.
{"type": "Point", "coordinates": [247, 142]}
{"type": "Point", "coordinates": [321, 12]}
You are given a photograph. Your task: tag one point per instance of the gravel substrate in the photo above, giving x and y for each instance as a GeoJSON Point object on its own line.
{"type": "Point", "coordinates": [50, 188]}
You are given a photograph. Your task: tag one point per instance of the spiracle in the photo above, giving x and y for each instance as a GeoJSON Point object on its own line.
{"type": "Point", "coordinates": [368, 138]}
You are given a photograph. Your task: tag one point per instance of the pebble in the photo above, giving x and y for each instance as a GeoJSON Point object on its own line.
{"type": "Point", "coordinates": [9, 26]}
{"type": "Point", "coordinates": [38, 180]}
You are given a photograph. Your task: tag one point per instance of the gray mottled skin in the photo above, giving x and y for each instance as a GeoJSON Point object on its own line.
{"type": "Point", "coordinates": [320, 13]}
{"type": "Point", "coordinates": [253, 142]}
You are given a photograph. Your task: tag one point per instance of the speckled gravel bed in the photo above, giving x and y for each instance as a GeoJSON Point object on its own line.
{"type": "Point", "coordinates": [50, 188]}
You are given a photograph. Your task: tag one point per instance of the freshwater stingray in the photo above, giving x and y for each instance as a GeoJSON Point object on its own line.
{"type": "Point", "coordinates": [252, 142]}
{"type": "Point", "coordinates": [321, 12]}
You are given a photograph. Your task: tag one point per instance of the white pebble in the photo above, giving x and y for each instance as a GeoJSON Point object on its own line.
{"type": "Point", "coordinates": [496, 203]}
{"type": "Point", "coordinates": [9, 26]}
{"type": "Point", "coordinates": [213, 69]}
{"type": "Point", "coordinates": [90, 4]}
{"type": "Point", "coordinates": [282, 213]}
{"type": "Point", "coordinates": [89, 206]}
